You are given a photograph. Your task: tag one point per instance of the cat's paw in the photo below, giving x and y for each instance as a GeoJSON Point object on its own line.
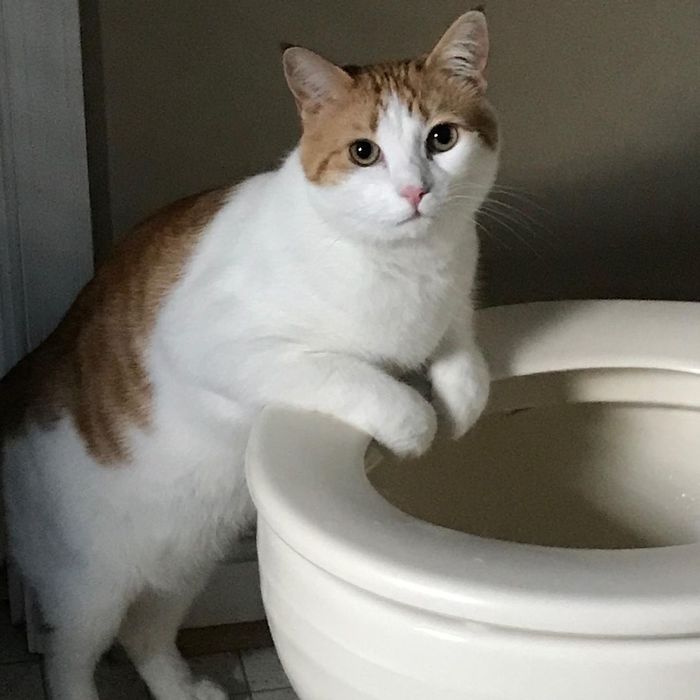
{"type": "Point", "coordinates": [206, 690]}
{"type": "Point", "coordinates": [410, 428]}
{"type": "Point", "coordinates": [460, 389]}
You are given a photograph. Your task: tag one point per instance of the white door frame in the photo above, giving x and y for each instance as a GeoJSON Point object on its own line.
{"type": "Point", "coordinates": [47, 228]}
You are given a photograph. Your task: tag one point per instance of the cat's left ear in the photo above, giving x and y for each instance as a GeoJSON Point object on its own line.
{"type": "Point", "coordinates": [463, 50]}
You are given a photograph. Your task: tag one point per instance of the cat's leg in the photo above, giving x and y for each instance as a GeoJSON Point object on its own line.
{"type": "Point", "coordinates": [83, 615]}
{"type": "Point", "coordinates": [354, 391]}
{"type": "Point", "coordinates": [148, 636]}
{"type": "Point", "coordinates": [460, 378]}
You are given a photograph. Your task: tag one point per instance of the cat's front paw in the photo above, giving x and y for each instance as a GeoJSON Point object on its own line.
{"type": "Point", "coordinates": [206, 690]}
{"type": "Point", "coordinates": [460, 389]}
{"type": "Point", "coordinates": [409, 429]}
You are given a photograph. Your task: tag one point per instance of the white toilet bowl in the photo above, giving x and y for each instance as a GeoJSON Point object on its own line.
{"type": "Point", "coordinates": [552, 554]}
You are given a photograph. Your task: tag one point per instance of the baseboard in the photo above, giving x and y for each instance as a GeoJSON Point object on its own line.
{"type": "Point", "coordinates": [231, 596]}
{"type": "Point", "coordinates": [201, 641]}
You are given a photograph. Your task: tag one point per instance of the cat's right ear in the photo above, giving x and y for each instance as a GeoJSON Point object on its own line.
{"type": "Point", "coordinates": [313, 80]}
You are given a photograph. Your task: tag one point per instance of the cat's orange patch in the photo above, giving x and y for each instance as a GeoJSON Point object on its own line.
{"type": "Point", "coordinates": [426, 91]}
{"type": "Point", "coordinates": [92, 366]}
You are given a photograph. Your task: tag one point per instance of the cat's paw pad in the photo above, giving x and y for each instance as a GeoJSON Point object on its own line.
{"type": "Point", "coordinates": [206, 690]}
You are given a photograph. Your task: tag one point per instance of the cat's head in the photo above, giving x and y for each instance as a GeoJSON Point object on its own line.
{"type": "Point", "coordinates": [388, 148]}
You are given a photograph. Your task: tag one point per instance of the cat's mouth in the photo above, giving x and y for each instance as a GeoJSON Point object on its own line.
{"type": "Point", "coordinates": [410, 218]}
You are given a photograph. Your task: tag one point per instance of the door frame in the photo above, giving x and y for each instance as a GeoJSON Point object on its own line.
{"type": "Point", "coordinates": [47, 228]}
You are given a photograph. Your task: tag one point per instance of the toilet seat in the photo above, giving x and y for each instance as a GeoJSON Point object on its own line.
{"type": "Point", "coordinates": [309, 481]}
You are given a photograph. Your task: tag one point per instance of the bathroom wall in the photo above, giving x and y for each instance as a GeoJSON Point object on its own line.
{"type": "Point", "coordinates": [599, 101]}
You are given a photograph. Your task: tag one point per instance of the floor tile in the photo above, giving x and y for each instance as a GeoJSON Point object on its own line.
{"type": "Point", "coordinates": [21, 682]}
{"type": "Point", "coordinates": [280, 694]}
{"type": "Point", "coordinates": [224, 669]}
{"type": "Point", "coordinates": [119, 681]}
{"type": "Point", "coordinates": [264, 670]}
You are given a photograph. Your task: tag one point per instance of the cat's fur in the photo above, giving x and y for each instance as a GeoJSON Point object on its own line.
{"type": "Point", "coordinates": [311, 286]}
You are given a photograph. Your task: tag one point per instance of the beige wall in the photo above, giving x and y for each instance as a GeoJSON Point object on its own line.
{"type": "Point", "coordinates": [599, 100]}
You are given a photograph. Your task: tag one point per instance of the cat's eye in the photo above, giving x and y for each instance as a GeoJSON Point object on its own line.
{"type": "Point", "coordinates": [441, 138]}
{"type": "Point", "coordinates": [364, 152]}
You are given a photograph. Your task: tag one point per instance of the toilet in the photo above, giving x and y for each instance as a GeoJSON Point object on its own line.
{"type": "Point", "coordinates": [551, 554]}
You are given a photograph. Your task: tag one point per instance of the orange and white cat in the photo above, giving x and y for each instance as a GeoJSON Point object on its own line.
{"type": "Point", "coordinates": [314, 286]}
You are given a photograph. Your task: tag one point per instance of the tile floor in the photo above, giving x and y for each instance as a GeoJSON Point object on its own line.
{"type": "Point", "coordinates": [250, 675]}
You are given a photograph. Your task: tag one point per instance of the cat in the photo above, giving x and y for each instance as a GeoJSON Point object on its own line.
{"type": "Point", "coordinates": [314, 286]}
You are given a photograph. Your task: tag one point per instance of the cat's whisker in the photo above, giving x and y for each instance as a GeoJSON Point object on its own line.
{"type": "Point", "coordinates": [517, 193]}
{"type": "Point", "coordinates": [475, 191]}
{"type": "Point", "coordinates": [479, 225]}
{"type": "Point", "coordinates": [511, 207]}
{"type": "Point", "coordinates": [522, 219]}
{"type": "Point", "coordinates": [514, 231]}
{"type": "Point", "coordinates": [483, 229]}
{"type": "Point", "coordinates": [524, 198]}
{"type": "Point", "coordinates": [537, 216]}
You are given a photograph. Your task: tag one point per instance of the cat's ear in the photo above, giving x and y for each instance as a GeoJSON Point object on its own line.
{"type": "Point", "coordinates": [312, 79]}
{"type": "Point", "coordinates": [463, 50]}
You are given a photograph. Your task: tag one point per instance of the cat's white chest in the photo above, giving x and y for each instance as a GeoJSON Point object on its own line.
{"type": "Point", "coordinates": [404, 321]}
{"type": "Point", "coordinates": [386, 311]}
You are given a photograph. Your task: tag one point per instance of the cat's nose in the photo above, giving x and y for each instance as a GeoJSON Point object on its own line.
{"type": "Point", "coordinates": [414, 194]}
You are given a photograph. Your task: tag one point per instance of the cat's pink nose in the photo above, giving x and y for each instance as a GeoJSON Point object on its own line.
{"type": "Point", "coordinates": [413, 194]}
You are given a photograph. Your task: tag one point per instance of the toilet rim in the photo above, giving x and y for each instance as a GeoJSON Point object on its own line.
{"type": "Point", "coordinates": [307, 477]}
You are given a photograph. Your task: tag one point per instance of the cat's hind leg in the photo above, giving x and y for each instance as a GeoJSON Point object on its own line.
{"type": "Point", "coordinates": [83, 615]}
{"type": "Point", "coordinates": [148, 636]}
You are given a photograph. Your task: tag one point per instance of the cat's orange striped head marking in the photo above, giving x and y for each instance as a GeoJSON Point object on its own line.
{"type": "Point", "coordinates": [387, 147]}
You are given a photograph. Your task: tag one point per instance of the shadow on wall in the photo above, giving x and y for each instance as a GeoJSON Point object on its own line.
{"type": "Point", "coordinates": [625, 233]}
